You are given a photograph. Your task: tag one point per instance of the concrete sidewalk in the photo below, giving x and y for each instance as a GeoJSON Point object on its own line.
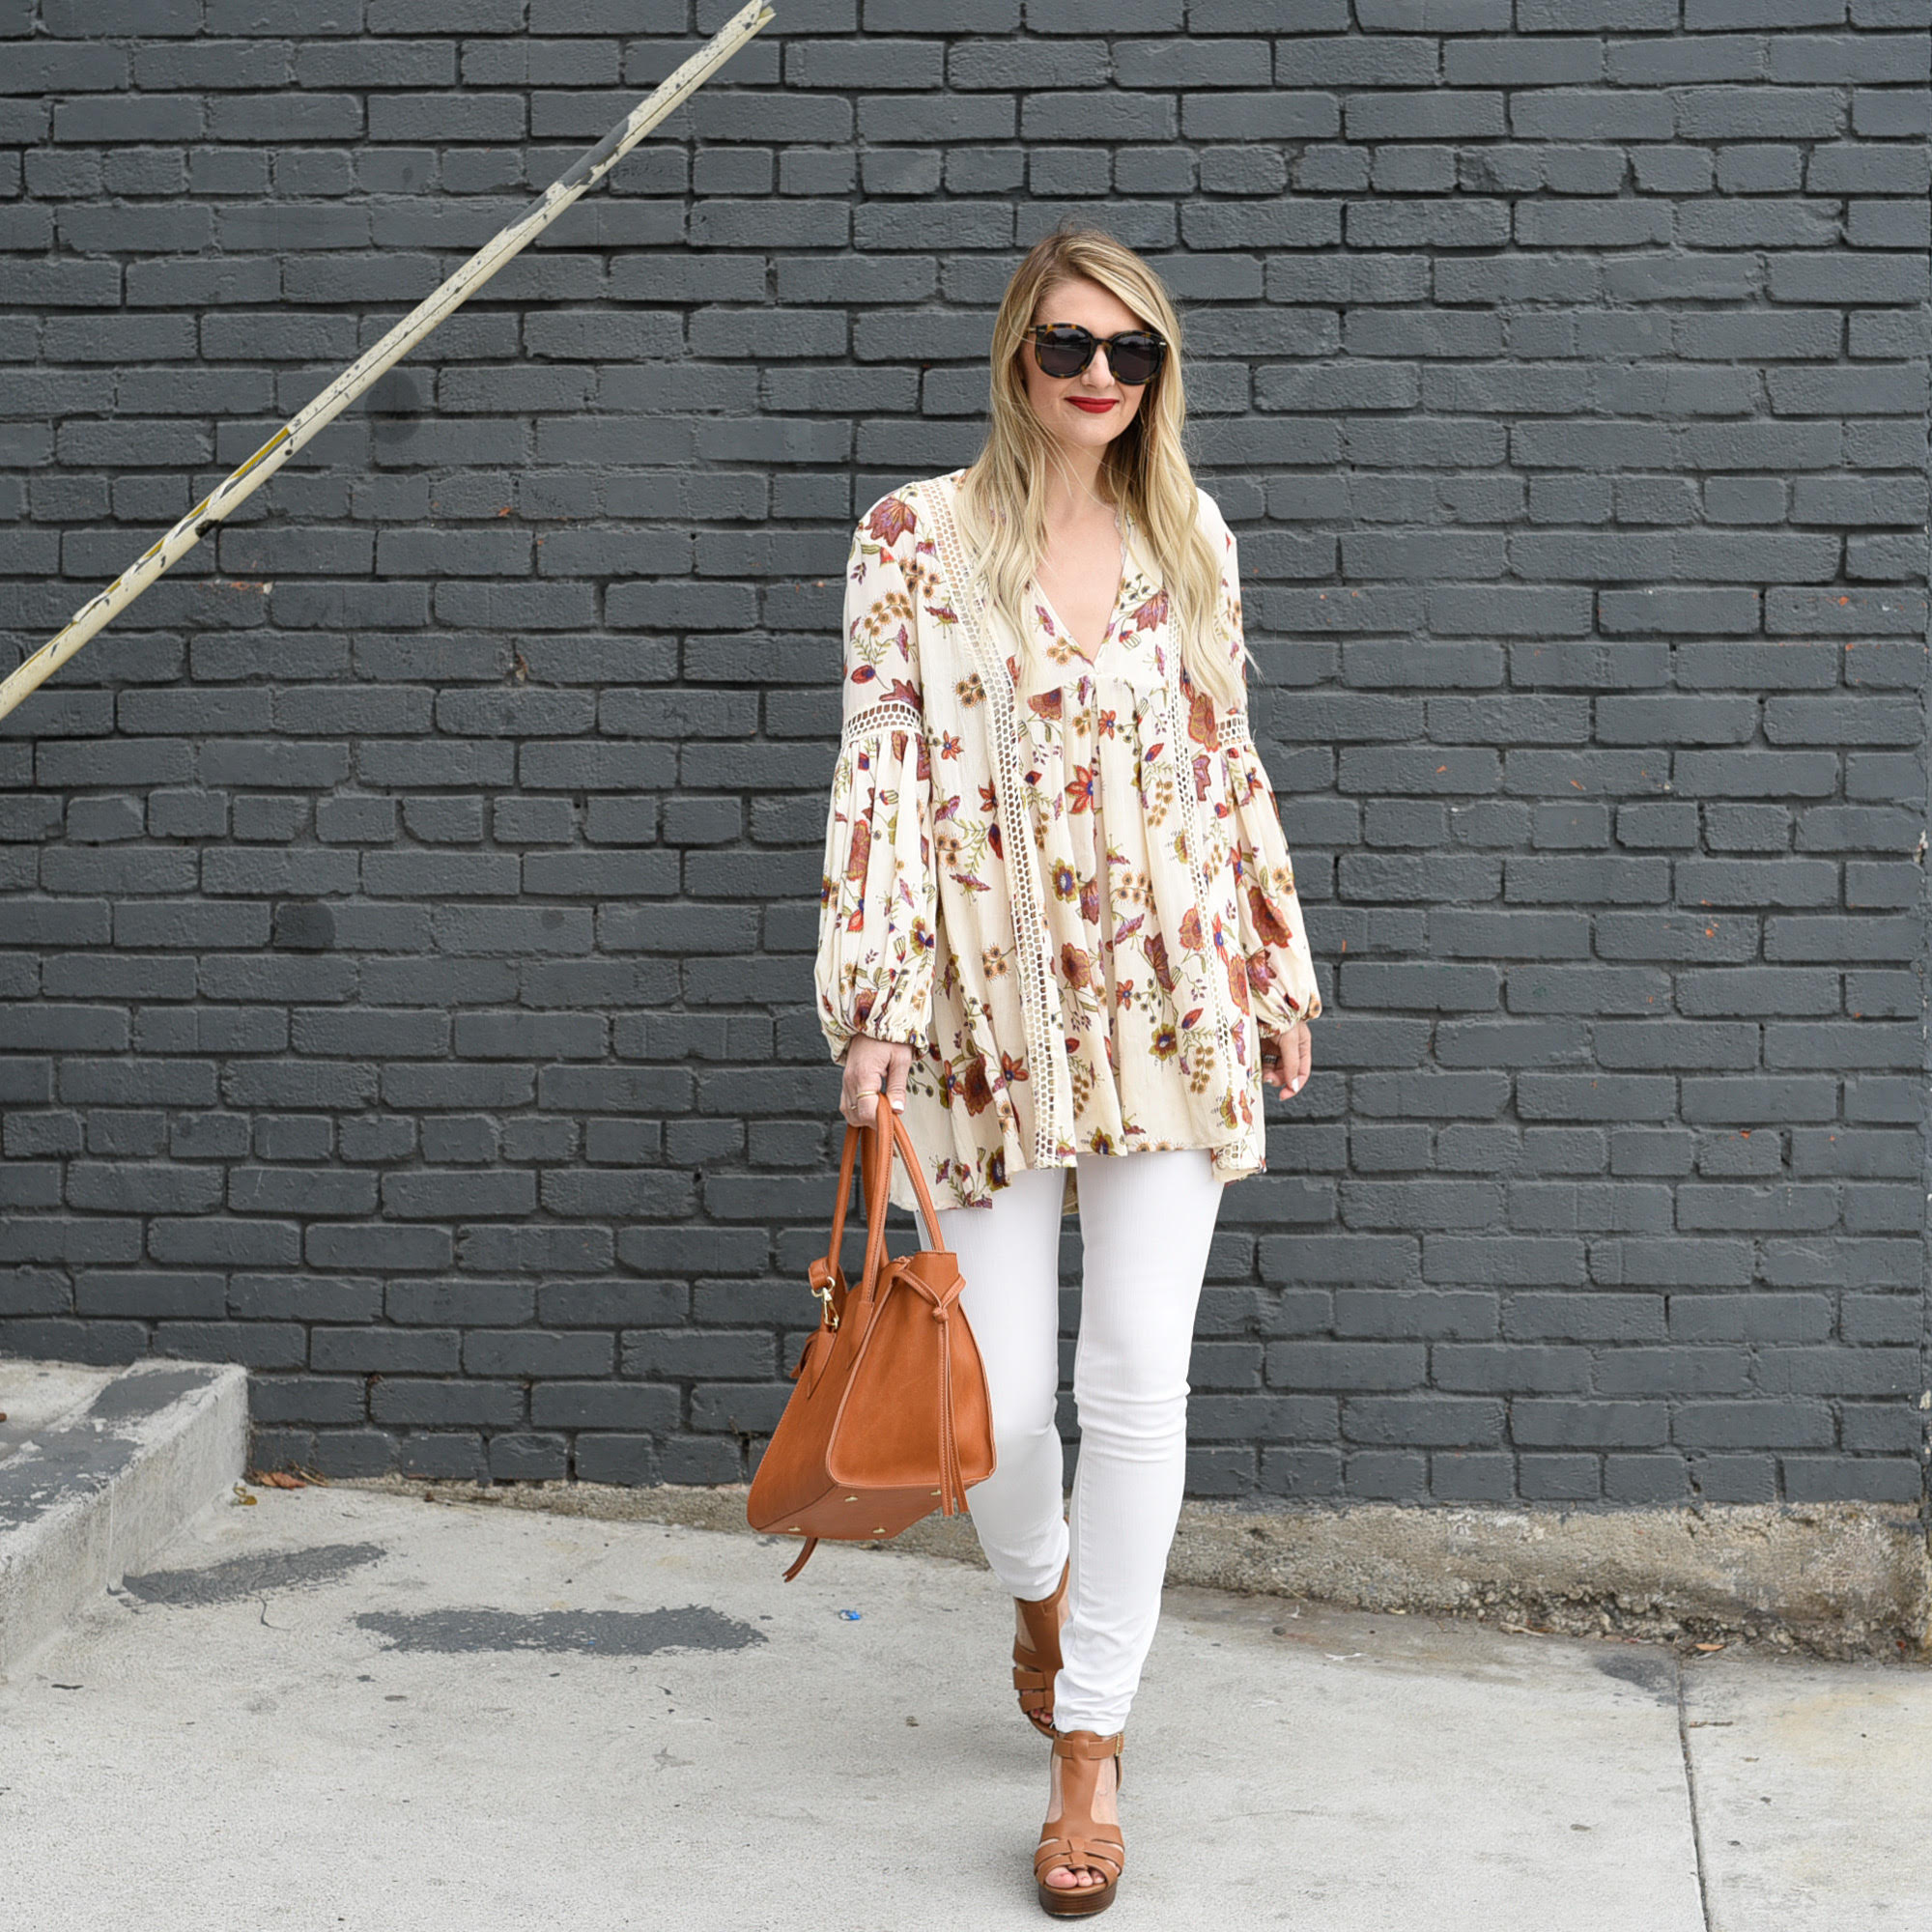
{"type": "Point", "coordinates": [340, 1708]}
{"type": "Point", "coordinates": [99, 1469]}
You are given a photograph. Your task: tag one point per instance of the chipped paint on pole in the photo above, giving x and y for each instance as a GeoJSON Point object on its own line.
{"type": "Point", "coordinates": [583, 174]}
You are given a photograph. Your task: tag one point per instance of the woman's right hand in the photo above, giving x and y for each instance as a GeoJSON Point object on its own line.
{"type": "Point", "coordinates": [871, 1065]}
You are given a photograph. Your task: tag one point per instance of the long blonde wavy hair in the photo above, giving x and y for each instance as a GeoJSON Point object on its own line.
{"type": "Point", "coordinates": [1144, 469]}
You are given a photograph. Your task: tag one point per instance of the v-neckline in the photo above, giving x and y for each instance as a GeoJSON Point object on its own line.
{"type": "Point", "coordinates": [1112, 612]}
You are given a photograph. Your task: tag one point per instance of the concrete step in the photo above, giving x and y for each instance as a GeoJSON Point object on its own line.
{"type": "Point", "coordinates": [99, 1469]}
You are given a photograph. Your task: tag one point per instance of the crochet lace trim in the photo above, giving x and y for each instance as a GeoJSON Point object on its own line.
{"type": "Point", "coordinates": [878, 718]}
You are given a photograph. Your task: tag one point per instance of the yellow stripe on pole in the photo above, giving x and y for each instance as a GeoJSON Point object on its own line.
{"type": "Point", "coordinates": [583, 174]}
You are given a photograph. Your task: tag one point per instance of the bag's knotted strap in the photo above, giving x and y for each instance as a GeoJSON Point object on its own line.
{"type": "Point", "coordinates": [951, 1477]}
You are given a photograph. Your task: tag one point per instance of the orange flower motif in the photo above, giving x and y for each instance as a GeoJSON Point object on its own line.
{"type": "Point", "coordinates": [974, 1088]}
{"type": "Point", "coordinates": [891, 518]}
{"type": "Point", "coordinates": [1238, 979]}
{"type": "Point", "coordinates": [1267, 922]}
{"type": "Point", "coordinates": [1190, 929]}
{"type": "Point", "coordinates": [1079, 966]}
{"type": "Point", "coordinates": [1080, 790]}
{"type": "Point", "coordinates": [861, 855]}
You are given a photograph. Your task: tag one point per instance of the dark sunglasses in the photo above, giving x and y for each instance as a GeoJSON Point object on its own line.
{"type": "Point", "coordinates": [1063, 349]}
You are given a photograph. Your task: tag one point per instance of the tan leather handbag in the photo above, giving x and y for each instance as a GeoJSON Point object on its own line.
{"type": "Point", "coordinates": [889, 1418]}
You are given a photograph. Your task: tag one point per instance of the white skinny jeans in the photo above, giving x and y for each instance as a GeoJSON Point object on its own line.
{"type": "Point", "coordinates": [1146, 1223]}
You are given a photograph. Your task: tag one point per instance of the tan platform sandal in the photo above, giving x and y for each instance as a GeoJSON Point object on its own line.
{"type": "Point", "coordinates": [1037, 1662]}
{"type": "Point", "coordinates": [1075, 1838]}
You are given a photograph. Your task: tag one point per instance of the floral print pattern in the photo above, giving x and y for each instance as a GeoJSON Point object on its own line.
{"type": "Point", "coordinates": [1174, 935]}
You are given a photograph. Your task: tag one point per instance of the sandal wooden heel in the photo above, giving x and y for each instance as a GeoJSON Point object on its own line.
{"type": "Point", "coordinates": [1075, 1838]}
{"type": "Point", "coordinates": [1037, 1662]}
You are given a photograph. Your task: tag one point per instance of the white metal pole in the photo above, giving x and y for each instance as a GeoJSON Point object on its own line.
{"type": "Point", "coordinates": [583, 174]}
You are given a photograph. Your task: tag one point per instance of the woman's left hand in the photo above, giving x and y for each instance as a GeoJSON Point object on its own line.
{"type": "Point", "coordinates": [1286, 1059]}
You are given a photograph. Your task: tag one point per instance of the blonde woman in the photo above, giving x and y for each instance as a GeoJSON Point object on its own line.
{"type": "Point", "coordinates": [1060, 930]}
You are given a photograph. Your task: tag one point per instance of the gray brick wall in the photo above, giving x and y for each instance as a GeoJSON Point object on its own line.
{"type": "Point", "coordinates": [405, 914]}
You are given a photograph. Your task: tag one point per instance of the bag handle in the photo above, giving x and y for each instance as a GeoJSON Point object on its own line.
{"type": "Point", "coordinates": [872, 1187]}
{"type": "Point", "coordinates": [875, 1178]}
{"type": "Point", "coordinates": [909, 1158]}
{"type": "Point", "coordinates": [878, 1143]}
{"type": "Point", "coordinates": [843, 1199]}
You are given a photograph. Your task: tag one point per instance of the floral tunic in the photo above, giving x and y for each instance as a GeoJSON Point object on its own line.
{"type": "Point", "coordinates": [1061, 881]}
